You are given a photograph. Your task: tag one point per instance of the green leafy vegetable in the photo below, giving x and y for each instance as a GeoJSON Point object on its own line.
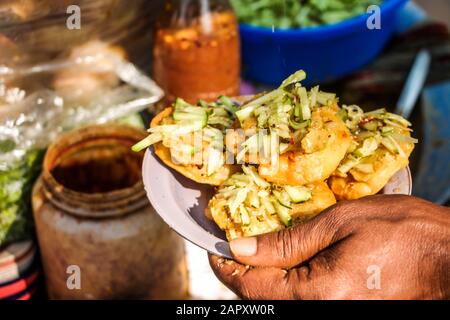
{"type": "Point", "coordinates": [16, 183]}
{"type": "Point", "coordinates": [285, 14]}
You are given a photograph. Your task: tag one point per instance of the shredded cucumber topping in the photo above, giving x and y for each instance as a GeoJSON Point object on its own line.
{"type": "Point", "coordinates": [324, 98]}
{"type": "Point", "coordinates": [304, 103]}
{"type": "Point", "coordinates": [372, 130]}
{"type": "Point", "coordinates": [251, 145]}
{"type": "Point", "coordinates": [245, 217]}
{"type": "Point", "coordinates": [285, 112]}
{"type": "Point", "coordinates": [151, 139]}
{"type": "Point", "coordinates": [215, 161]}
{"type": "Point", "coordinates": [348, 163]}
{"type": "Point", "coordinates": [299, 125]}
{"type": "Point", "coordinates": [287, 108]}
{"type": "Point", "coordinates": [402, 138]}
{"type": "Point", "coordinates": [294, 78]}
{"type": "Point", "coordinates": [298, 193]}
{"type": "Point", "coordinates": [283, 214]}
{"type": "Point", "coordinates": [209, 119]}
{"type": "Point", "coordinates": [255, 177]}
{"type": "Point", "coordinates": [365, 167]}
{"type": "Point", "coordinates": [283, 198]}
{"type": "Point", "coordinates": [247, 110]}
{"type": "Point", "coordinates": [228, 104]}
{"type": "Point", "coordinates": [249, 200]}
{"type": "Point", "coordinates": [369, 146]}
{"type": "Point", "coordinates": [354, 115]}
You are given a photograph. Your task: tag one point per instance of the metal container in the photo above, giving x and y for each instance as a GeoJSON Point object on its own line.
{"type": "Point", "coordinates": [99, 237]}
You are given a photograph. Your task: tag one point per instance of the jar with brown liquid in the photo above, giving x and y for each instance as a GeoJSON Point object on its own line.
{"type": "Point", "coordinates": [99, 237]}
{"type": "Point", "coordinates": [196, 51]}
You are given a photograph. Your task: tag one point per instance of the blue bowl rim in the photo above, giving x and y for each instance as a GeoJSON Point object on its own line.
{"type": "Point", "coordinates": [324, 30]}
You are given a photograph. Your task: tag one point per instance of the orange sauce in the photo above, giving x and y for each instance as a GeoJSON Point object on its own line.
{"type": "Point", "coordinates": [200, 61]}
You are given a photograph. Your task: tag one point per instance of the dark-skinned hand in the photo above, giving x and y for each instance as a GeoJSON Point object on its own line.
{"type": "Point", "coordinates": [380, 247]}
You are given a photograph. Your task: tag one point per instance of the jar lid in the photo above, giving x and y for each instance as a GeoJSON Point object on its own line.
{"type": "Point", "coordinates": [15, 260]}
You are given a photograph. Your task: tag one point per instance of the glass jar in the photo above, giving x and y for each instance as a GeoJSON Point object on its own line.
{"type": "Point", "coordinates": [92, 217]}
{"type": "Point", "coordinates": [196, 51]}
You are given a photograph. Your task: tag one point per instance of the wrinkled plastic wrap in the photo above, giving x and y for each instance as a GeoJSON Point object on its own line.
{"type": "Point", "coordinates": [35, 31]}
{"type": "Point", "coordinates": [53, 79]}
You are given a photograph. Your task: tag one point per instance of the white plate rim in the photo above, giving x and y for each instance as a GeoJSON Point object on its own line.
{"type": "Point", "coordinates": [191, 230]}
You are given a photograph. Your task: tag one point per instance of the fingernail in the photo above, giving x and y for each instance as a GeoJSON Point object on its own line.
{"type": "Point", "coordinates": [244, 247]}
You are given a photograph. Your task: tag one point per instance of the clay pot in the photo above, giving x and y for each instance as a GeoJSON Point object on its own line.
{"type": "Point", "coordinates": [96, 226]}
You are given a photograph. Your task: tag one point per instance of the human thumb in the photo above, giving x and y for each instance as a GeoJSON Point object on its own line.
{"type": "Point", "coordinates": [289, 247]}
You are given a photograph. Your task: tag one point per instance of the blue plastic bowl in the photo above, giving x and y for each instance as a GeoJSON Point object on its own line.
{"type": "Point", "coordinates": [326, 52]}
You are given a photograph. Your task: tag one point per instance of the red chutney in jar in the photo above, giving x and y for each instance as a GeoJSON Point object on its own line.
{"type": "Point", "coordinates": [200, 60]}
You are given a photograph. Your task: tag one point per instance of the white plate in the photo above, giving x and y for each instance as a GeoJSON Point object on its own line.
{"type": "Point", "coordinates": [181, 203]}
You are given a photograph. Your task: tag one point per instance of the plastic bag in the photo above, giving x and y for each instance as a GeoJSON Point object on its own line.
{"type": "Point", "coordinates": [95, 85]}
{"type": "Point", "coordinates": [35, 31]}
{"type": "Point", "coordinates": [40, 102]}
{"type": "Point", "coordinates": [54, 78]}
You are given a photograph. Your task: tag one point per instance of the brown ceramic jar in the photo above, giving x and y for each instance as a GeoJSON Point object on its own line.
{"type": "Point", "coordinates": [91, 212]}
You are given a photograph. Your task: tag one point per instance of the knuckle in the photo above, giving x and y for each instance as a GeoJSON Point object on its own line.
{"type": "Point", "coordinates": [330, 227]}
{"type": "Point", "coordinates": [286, 243]}
{"type": "Point", "coordinates": [337, 213]}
